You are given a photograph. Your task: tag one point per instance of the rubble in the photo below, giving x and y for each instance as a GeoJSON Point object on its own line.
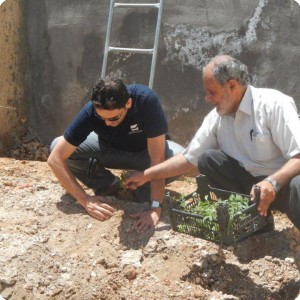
{"type": "Point", "coordinates": [50, 248]}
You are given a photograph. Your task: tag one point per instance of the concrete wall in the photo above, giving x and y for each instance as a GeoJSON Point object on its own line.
{"type": "Point", "coordinates": [66, 41]}
{"type": "Point", "coordinates": [14, 106]}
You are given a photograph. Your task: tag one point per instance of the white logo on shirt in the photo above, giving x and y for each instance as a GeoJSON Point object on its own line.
{"type": "Point", "coordinates": [135, 129]}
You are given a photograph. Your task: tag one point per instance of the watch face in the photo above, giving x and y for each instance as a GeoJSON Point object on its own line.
{"type": "Point", "coordinates": [156, 204]}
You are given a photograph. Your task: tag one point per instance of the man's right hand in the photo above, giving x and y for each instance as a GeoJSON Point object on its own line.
{"type": "Point", "coordinates": [134, 179]}
{"type": "Point", "coordinates": [98, 209]}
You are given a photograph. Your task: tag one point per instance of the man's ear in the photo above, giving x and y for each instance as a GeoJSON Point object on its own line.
{"type": "Point", "coordinates": [128, 103]}
{"type": "Point", "coordinates": [232, 85]}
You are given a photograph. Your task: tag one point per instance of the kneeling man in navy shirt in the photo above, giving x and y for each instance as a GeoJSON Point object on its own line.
{"type": "Point", "coordinates": [122, 127]}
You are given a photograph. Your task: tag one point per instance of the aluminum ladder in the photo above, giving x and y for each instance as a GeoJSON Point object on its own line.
{"type": "Point", "coordinates": [153, 51]}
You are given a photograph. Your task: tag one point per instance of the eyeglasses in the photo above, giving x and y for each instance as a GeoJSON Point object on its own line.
{"type": "Point", "coordinates": [113, 119]}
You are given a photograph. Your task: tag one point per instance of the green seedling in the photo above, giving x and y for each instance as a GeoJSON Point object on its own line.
{"type": "Point", "coordinates": [207, 209]}
{"type": "Point", "coordinates": [187, 179]}
{"type": "Point", "coordinates": [123, 192]}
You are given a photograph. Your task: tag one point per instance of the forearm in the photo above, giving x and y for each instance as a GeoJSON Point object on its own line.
{"type": "Point", "coordinates": [68, 180]}
{"type": "Point", "coordinates": [291, 169]}
{"type": "Point", "coordinates": [157, 189]}
{"type": "Point", "coordinates": [174, 166]}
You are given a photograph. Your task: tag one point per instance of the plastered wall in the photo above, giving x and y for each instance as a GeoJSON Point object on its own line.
{"type": "Point", "coordinates": [14, 95]}
{"type": "Point", "coordinates": [65, 46]}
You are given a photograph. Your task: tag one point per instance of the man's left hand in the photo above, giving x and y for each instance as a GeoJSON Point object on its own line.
{"type": "Point", "coordinates": [146, 220]}
{"type": "Point", "coordinates": [267, 196]}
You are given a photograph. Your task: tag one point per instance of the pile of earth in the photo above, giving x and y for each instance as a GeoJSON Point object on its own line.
{"type": "Point", "coordinates": [51, 249]}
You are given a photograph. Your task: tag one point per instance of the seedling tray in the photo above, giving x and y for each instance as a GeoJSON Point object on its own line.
{"type": "Point", "coordinates": [223, 229]}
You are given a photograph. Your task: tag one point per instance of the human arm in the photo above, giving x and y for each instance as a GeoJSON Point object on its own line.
{"type": "Point", "coordinates": [282, 124]}
{"type": "Point", "coordinates": [283, 176]}
{"type": "Point", "coordinates": [156, 150]}
{"type": "Point", "coordinates": [174, 166]}
{"type": "Point", "coordinates": [58, 164]}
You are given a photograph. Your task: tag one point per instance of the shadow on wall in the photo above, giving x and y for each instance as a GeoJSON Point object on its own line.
{"type": "Point", "coordinates": [67, 59]}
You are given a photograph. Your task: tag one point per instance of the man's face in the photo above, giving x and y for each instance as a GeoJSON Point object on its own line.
{"type": "Point", "coordinates": [222, 97]}
{"type": "Point", "coordinates": [112, 117]}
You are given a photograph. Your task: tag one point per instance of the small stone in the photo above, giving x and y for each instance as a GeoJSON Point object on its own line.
{"type": "Point", "coordinates": [63, 269]}
{"type": "Point", "coordinates": [131, 274]}
{"type": "Point", "coordinates": [28, 286]}
{"type": "Point", "coordinates": [289, 260]}
{"type": "Point", "coordinates": [214, 257]}
{"type": "Point", "coordinates": [7, 280]}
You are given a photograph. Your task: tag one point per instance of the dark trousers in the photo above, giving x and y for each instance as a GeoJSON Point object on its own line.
{"type": "Point", "coordinates": [224, 172]}
{"type": "Point", "coordinates": [91, 161]}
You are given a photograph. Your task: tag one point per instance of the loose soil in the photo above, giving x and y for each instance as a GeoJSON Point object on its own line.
{"type": "Point", "coordinates": [50, 248]}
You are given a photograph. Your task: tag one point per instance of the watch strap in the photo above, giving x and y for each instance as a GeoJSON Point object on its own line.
{"type": "Point", "coordinates": [274, 183]}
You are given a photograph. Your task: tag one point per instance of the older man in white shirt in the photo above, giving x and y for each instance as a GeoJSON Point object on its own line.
{"type": "Point", "coordinates": [251, 137]}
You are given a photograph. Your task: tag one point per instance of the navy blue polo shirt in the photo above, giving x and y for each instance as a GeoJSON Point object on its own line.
{"type": "Point", "coordinates": [145, 119]}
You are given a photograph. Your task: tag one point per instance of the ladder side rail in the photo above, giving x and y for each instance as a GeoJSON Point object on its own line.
{"type": "Point", "coordinates": [155, 48]}
{"type": "Point", "coordinates": [107, 40]}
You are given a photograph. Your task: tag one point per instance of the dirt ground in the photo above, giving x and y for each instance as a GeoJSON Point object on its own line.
{"type": "Point", "coordinates": [51, 249]}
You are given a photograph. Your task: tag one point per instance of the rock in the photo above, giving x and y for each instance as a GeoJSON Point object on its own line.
{"type": "Point", "coordinates": [7, 280]}
{"type": "Point", "coordinates": [289, 260]}
{"type": "Point", "coordinates": [130, 273]}
{"type": "Point", "coordinates": [131, 257]}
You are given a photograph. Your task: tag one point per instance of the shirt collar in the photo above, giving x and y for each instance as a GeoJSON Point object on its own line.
{"type": "Point", "coordinates": [246, 103]}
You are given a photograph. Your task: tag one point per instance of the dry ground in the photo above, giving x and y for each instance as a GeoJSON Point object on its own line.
{"type": "Point", "coordinates": [51, 249]}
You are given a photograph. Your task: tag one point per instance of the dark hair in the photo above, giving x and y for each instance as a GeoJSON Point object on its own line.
{"type": "Point", "coordinates": [227, 68]}
{"type": "Point", "coordinates": [110, 94]}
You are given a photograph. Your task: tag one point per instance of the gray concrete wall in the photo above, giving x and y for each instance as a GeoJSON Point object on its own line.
{"type": "Point", "coordinates": [67, 42]}
{"type": "Point", "coordinates": [14, 106]}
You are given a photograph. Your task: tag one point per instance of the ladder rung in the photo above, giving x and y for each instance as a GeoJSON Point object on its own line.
{"type": "Point", "coordinates": [157, 5]}
{"type": "Point", "coordinates": [130, 50]}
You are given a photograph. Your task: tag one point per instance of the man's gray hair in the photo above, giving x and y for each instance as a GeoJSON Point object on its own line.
{"type": "Point", "coordinates": [230, 68]}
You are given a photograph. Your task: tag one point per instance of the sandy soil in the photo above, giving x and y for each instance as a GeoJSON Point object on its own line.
{"type": "Point", "coordinates": [51, 249]}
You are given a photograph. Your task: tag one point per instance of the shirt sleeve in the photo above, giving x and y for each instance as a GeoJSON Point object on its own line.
{"type": "Point", "coordinates": [284, 124]}
{"type": "Point", "coordinates": [153, 117]}
{"type": "Point", "coordinates": [205, 138]}
{"type": "Point", "coordinates": [80, 127]}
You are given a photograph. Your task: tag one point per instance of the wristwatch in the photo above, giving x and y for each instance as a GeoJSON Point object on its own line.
{"type": "Point", "coordinates": [156, 204]}
{"type": "Point", "coordinates": [274, 183]}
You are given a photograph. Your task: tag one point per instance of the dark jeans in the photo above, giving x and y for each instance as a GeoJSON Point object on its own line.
{"type": "Point", "coordinates": [91, 161]}
{"type": "Point", "coordinates": [224, 172]}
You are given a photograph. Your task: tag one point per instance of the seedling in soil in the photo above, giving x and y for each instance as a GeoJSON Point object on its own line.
{"type": "Point", "coordinates": [123, 192]}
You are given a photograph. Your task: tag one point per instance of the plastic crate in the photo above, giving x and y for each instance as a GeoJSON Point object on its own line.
{"type": "Point", "coordinates": [221, 230]}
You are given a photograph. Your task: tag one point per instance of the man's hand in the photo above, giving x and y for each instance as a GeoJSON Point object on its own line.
{"type": "Point", "coordinates": [146, 220]}
{"type": "Point", "coordinates": [98, 209]}
{"type": "Point", "coordinates": [134, 179]}
{"type": "Point", "coordinates": [267, 196]}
